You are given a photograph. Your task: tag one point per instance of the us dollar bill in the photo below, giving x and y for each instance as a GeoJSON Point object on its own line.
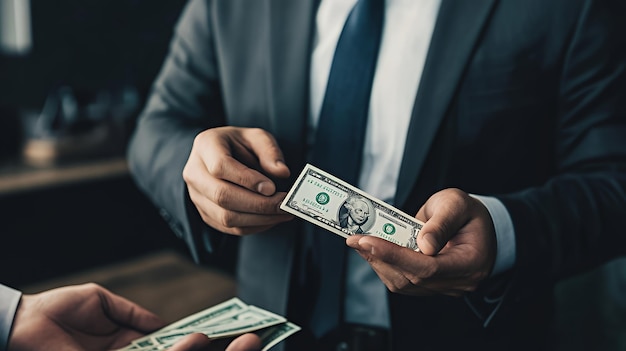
{"type": "Point", "coordinates": [230, 318]}
{"type": "Point", "coordinates": [333, 204]}
{"type": "Point", "coordinates": [247, 321]}
{"type": "Point", "coordinates": [273, 335]}
{"type": "Point", "coordinates": [226, 309]}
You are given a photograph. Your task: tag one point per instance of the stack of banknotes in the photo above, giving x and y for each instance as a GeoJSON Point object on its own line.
{"type": "Point", "coordinates": [341, 208]}
{"type": "Point", "coordinates": [228, 319]}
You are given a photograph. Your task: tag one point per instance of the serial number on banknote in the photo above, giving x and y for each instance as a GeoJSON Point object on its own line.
{"type": "Point", "coordinates": [335, 205]}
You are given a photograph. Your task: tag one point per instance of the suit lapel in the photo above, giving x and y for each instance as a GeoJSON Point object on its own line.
{"type": "Point", "coordinates": [456, 32]}
{"type": "Point", "coordinates": [291, 27]}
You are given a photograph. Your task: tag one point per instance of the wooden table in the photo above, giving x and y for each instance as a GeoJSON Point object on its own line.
{"type": "Point", "coordinates": [165, 282]}
{"type": "Point", "coordinates": [19, 177]}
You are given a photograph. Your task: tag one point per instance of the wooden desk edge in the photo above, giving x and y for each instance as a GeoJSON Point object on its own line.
{"type": "Point", "coordinates": [34, 179]}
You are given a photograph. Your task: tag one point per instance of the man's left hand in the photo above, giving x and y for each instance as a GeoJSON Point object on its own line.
{"type": "Point", "coordinates": [457, 249]}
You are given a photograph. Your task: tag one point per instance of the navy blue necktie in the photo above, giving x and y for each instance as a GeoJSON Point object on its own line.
{"type": "Point", "coordinates": [339, 139]}
{"type": "Point", "coordinates": [343, 117]}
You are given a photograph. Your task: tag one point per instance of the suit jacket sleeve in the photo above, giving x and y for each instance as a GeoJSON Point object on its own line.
{"type": "Point", "coordinates": [576, 219]}
{"type": "Point", "coordinates": [9, 300]}
{"type": "Point", "coordinates": [185, 99]}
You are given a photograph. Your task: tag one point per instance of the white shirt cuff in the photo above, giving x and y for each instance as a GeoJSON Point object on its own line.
{"type": "Point", "coordinates": [9, 300]}
{"type": "Point", "coordinates": [505, 233]}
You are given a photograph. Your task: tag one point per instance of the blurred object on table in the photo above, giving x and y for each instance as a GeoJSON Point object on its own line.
{"type": "Point", "coordinates": [74, 126]}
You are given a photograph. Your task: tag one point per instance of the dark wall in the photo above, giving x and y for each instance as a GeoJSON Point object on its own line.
{"type": "Point", "coordinates": [61, 230]}
{"type": "Point", "coordinates": [89, 45]}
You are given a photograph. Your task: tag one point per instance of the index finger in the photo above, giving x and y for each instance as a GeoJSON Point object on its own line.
{"type": "Point", "coordinates": [242, 150]}
{"type": "Point", "coordinates": [401, 258]}
{"type": "Point", "coordinates": [126, 312]}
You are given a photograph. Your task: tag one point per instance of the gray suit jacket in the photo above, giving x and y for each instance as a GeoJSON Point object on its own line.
{"type": "Point", "coordinates": [519, 99]}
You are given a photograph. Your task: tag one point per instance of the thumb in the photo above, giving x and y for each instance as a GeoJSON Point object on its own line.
{"type": "Point", "coordinates": [266, 148]}
{"type": "Point", "coordinates": [128, 313]}
{"type": "Point", "coordinates": [192, 342]}
{"type": "Point", "coordinates": [446, 213]}
{"type": "Point", "coordinates": [246, 342]}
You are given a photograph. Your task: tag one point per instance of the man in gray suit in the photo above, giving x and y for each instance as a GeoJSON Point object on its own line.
{"type": "Point", "coordinates": [500, 123]}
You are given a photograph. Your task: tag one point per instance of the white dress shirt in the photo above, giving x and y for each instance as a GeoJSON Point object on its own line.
{"type": "Point", "coordinates": [408, 28]}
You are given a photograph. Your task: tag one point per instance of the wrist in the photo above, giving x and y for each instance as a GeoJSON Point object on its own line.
{"type": "Point", "coordinates": [9, 303]}
{"type": "Point", "coordinates": [23, 324]}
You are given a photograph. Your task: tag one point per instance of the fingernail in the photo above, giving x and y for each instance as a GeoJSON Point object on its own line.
{"type": "Point", "coordinates": [365, 246]}
{"type": "Point", "coordinates": [265, 188]}
{"type": "Point", "coordinates": [282, 165]}
{"type": "Point", "coordinates": [429, 238]}
{"type": "Point", "coordinates": [353, 243]}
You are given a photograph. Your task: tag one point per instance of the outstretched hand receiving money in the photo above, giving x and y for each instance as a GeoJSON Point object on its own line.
{"type": "Point", "coordinates": [90, 317]}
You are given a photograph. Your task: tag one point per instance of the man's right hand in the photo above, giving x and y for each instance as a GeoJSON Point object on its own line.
{"type": "Point", "coordinates": [227, 182]}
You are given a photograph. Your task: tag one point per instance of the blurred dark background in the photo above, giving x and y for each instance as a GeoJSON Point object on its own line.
{"type": "Point", "coordinates": [69, 204]}
{"type": "Point", "coordinates": [89, 45]}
